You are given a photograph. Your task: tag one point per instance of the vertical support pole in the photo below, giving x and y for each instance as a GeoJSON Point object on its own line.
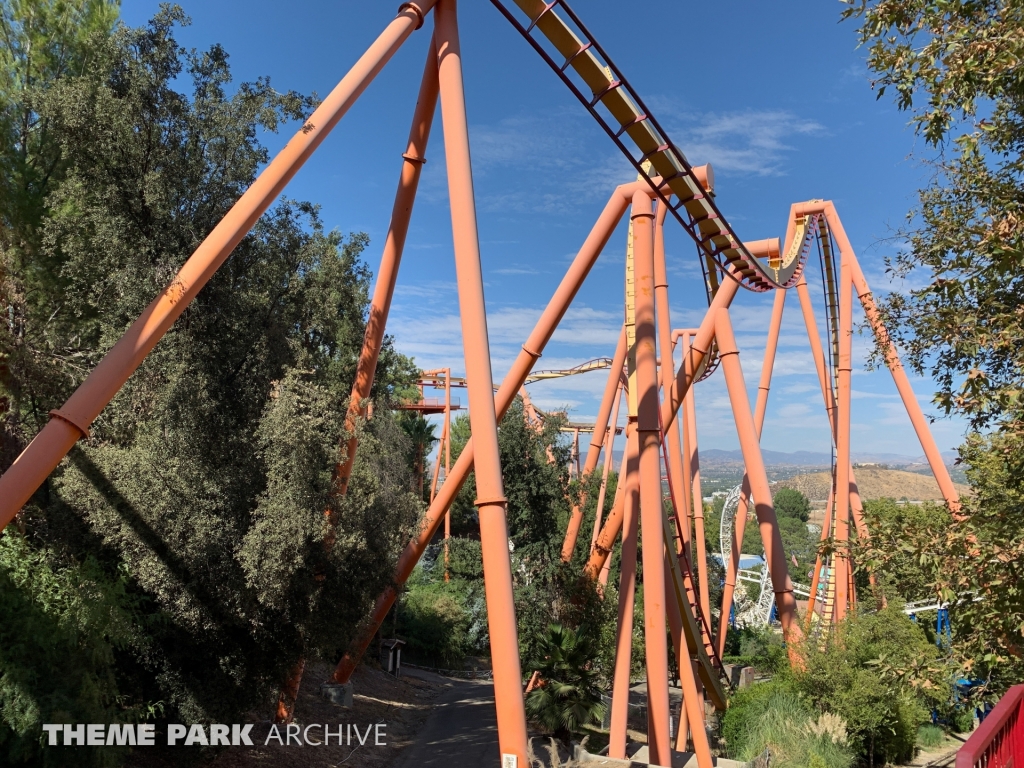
{"type": "Point", "coordinates": [596, 441]}
{"type": "Point", "coordinates": [384, 290]}
{"type": "Point", "coordinates": [627, 590]}
{"type": "Point", "coordinates": [609, 453]}
{"type": "Point", "coordinates": [752, 459]}
{"type": "Point", "coordinates": [447, 462]}
{"type": "Point", "coordinates": [674, 399]}
{"type": "Point", "coordinates": [651, 512]}
{"type": "Point", "coordinates": [678, 474]}
{"type": "Point", "coordinates": [71, 421]}
{"type": "Point", "coordinates": [686, 453]}
{"type": "Point", "coordinates": [843, 402]}
{"type": "Point", "coordinates": [826, 529]}
{"type": "Point", "coordinates": [693, 460]}
{"type": "Point", "coordinates": [490, 502]}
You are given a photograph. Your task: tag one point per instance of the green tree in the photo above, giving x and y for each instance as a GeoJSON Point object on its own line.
{"type": "Point", "coordinates": [791, 503]}
{"type": "Point", "coordinates": [200, 498]}
{"type": "Point", "coordinates": [955, 68]}
{"type": "Point", "coordinates": [881, 675]}
{"type": "Point", "coordinates": [567, 696]}
{"type": "Point", "coordinates": [421, 434]}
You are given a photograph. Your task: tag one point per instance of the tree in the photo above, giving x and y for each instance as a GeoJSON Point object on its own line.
{"type": "Point", "coordinates": [954, 67]}
{"type": "Point", "coordinates": [791, 503]}
{"type": "Point", "coordinates": [567, 696]}
{"type": "Point", "coordinates": [196, 510]}
{"type": "Point", "coordinates": [420, 432]}
{"type": "Point", "coordinates": [881, 675]}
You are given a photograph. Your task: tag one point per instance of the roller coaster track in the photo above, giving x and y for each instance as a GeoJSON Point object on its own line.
{"type": "Point", "coordinates": [553, 29]}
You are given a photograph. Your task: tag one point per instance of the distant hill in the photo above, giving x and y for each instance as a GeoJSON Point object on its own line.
{"type": "Point", "coordinates": [873, 483]}
{"type": "Point", "coordinates": [816, 459]}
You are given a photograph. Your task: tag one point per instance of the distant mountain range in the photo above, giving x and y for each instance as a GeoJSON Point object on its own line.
{"type": "Point", "coordinates": [815, 459]}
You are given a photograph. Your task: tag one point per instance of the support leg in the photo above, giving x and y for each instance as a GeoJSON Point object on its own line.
{"type": "Point", "coordinates": [490, 502]}
{"type": "Point", "coordinates": [611, 389]}
{"type": "Point", "coordinates": [531, 351]}
{"type": "Point", "coordinates": [394, 245]}
{"type": "Point", "coordinates": [843, 401]}
{"type": "Point", "coordinates": [752, 459]}
{"type": "Point", "coordinates": [627, 588]}
{"type": "Point", "coordinates": [740, 521]}
{"type": "Point", "coordinates": [609, 451]}
{"type": "Point", "coordinates": [651, 512]}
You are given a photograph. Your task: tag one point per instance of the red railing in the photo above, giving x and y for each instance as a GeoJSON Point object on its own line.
{"type": "Point", "coordinates": [999, 740]}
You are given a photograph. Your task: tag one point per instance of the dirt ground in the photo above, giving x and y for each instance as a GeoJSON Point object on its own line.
{"type": "Point", "coordinates": [400, 705]}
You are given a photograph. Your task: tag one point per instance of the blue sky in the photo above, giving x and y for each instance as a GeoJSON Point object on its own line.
{"type": "Point", "coordinates": [775, 95]}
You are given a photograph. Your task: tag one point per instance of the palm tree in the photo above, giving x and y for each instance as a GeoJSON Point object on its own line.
{"type": "Point", "coordinates": [568, 696]}
{"type": "Point", "coordinates": [421, 433]}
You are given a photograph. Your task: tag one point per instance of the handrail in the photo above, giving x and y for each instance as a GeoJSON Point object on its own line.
{"type": "Point", "coordinates": [999, 740]}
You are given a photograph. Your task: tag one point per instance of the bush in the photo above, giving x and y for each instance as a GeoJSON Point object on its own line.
{"type": "Point", "coordinates": [61, 632]}
{"type": "Point", "coordinates": [757, 647]}
{"type": "Point", "coordinates": [567, 697]}
{"type": "Point", "coordinates": [876, 673]}
{"type": "Point", "coordinates": [442, 622]}
{"type": "Point", "coordinates": [774, 716]}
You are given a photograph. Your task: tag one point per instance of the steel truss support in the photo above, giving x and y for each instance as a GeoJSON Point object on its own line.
{"type": "Point", "coordinates": [503, 399]}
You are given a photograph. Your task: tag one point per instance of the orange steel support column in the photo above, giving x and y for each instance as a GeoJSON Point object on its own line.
{"type": "Point", "coordinates": [899, 375]}
{"type": "Point", "coordinates": [817, 352]}
{"type": "Point", "coordinates": [678, 478]}
{"type": "Point", "coordinates": [692, 463]}
{"type": "Point", "coordinates": [611, 389]}
{"type": "Point", "coordinates": [531, 351]}
{"type": "Point", "coordinates": [617, 509]}
{"type": "Point", "coordinates": [608, 455]}
{"type": "Point", "coordinates": [843, 402]}
{"type": "Point", "coordinates": [740, 520]}
{"type": "Point", "coordinates": [627, 589]}
{"type": "Point", "coordinates": [856, 508]}
{"type": "Point", "coordinates": [447, 460]}
{"type": "Point", "coordinates": [767, 522]}
{"type": "Point", "coordinates": [698, 350]}
{"type": "Point", "coordinates": [384, 290]}
{"type": "Point", "coordinates": [685, 513]}
{"type": "Point", "coordinates": [490, 501]}
{"type": "Point", "coordinates": [72, 420]}
{"type": "Point", "coordinates": [651, 513]}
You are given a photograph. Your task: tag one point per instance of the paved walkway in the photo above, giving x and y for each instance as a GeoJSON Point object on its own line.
{"type": "Point", "coordinates": [461, 731]}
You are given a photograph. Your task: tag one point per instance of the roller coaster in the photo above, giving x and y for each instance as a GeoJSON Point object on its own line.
{"type": "Point", "coordinates": [661, 436]}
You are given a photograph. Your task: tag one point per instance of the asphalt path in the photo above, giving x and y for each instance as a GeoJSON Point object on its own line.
{"type": "Point", "coordinates": [460, 731]}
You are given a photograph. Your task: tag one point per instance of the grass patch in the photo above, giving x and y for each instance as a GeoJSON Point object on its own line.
{"type": "Point", "coordinates": [929, 736]}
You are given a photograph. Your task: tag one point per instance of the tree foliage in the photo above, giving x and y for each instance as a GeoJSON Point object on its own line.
{"type": "Point", "coordinates": [197, 513]}
{"type": "Point", "coordinates": [955, 67]}
{"type": "Point", "coordinates": [568, 696]}
{"type": "Point", "coordinates": [881, 675]}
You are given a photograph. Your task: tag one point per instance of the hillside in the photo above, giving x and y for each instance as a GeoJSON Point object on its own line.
{"type": "Point", "coordinates": [874, 483]}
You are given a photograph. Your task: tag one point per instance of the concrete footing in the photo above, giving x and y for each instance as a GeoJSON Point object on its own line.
{"type": "Point", "coordinates": [338, 693]}
{"type": "Point", "coordinates": [639, 759]}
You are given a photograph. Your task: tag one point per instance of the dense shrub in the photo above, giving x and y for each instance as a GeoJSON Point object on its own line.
{"type": "Point", "coordinates": [879, 673]}
{"type": "Point", "coordinates": [775, 716]}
